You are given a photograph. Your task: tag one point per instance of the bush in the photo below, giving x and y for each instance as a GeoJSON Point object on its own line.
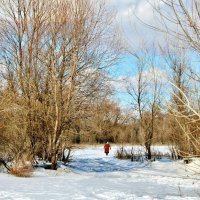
{"type": "Point", "coordinates": [21, 171]}
{"type": "Point", "coordinates": [123, 154]}
{"type": "Point", "coordinates": [21, 167]}
{"type": "Point", "coordinates": [157, 155]}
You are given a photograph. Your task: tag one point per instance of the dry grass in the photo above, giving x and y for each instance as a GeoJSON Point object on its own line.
{"type": "Point", "coordinates": [21, 171]}
{"type": "Point", "coordinates": [123, 154]}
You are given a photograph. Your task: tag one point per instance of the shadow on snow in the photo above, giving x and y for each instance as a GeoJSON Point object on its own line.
{"type": "Point", "coordinates": [102, 164]}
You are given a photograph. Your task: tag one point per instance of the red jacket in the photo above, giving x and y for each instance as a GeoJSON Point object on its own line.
{"type": "Point", "coordinates": [107, 148]}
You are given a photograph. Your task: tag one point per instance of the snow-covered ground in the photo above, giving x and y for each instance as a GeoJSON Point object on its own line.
{"type": "Point", "coordinates": [93, 175]}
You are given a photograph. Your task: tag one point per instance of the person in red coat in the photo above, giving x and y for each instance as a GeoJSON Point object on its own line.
{"type": "Point", "coordinates": [107, 148]}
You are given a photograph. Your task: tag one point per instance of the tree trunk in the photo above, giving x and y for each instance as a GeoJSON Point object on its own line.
{"type": "Point", "coordinates": [149, 152]}
{"type": "Point", "coordinates": [53, 161]}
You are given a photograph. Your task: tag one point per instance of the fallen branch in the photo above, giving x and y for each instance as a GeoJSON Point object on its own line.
{"type": "Point", "coordinates": [2, 161]}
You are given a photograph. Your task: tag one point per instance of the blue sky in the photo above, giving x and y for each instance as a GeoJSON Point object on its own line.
{"type": "Point", "coordinates": [134, 33]}
{"type": "Point", "coordinates": [125, 68]}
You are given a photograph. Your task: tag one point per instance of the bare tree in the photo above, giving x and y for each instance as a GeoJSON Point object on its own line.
{"type": "Point", "coordinates": [178, 67]}
{"type": "Point", "coordinates": [181, 23]}
{"type": "Point", "coordinates": [178, 21]}
{"type": "Point", "coordinates": [46, 46]}
{"type": "Point", "coordinates": [145, 92]}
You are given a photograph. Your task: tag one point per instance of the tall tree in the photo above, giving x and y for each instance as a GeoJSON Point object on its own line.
{"type": "Point", "coordinates": [45, 48]}
{"type": "Point", "coordinates": [145, 91]}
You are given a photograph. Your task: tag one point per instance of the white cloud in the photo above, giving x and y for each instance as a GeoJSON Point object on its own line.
{"type": "Point", "coordinates": [144, 11]}
{"type": "Point", "coordinates": [123, 82]}
{"type": "Point", "coordinates": [132, 17]}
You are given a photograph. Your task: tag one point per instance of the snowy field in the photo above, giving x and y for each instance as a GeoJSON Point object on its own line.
{"type": "Point", "coordinates": [93, 175]}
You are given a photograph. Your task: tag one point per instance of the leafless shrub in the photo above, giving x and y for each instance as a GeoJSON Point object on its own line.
{"type": "Point", "coordinates": [174, 155]}
{"type": "Point", "coordinates": [157, 155]}
{"type": "Point", "coordinates": [21, 167]}
{"type": "Point", "coordinates": [122, 153]}
{"type": "Point", "coordinates": [21, 171]}
{"type": "Point", "coordinates": [67, 154]}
